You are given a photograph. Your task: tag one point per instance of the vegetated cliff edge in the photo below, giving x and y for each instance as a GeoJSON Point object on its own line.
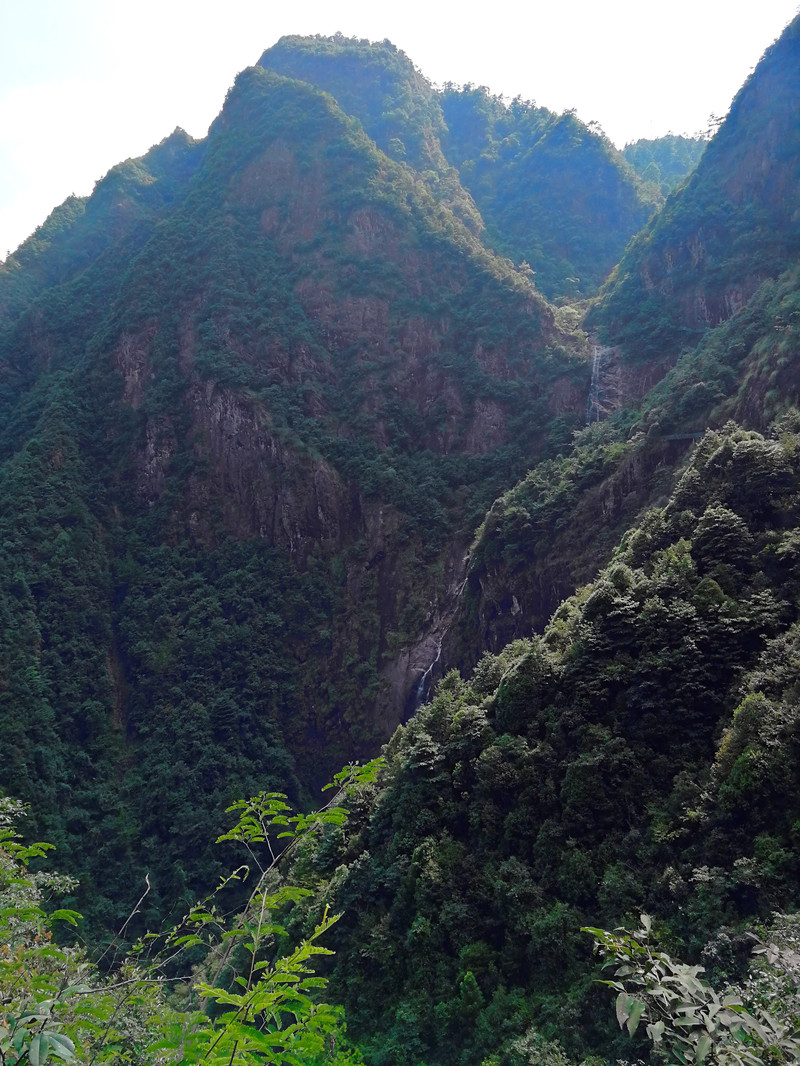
{"type": "Point", "coordinates": [735, 223]}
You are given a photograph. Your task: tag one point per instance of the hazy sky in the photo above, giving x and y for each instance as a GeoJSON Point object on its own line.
{"type": "Point", "coordinates": [87, 83]}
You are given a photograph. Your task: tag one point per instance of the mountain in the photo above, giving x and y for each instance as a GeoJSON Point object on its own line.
{"type": "Point", "coordinates": [553, 192]}
{"type": "Point", "coordinates": [125, 205]}
{"type": "Point", "coordinates": [640, 753]}
{"type": "Point", "coordinates": [245, 446]}
{"type": "Point", "coordinates": [295, 462]}
{"type": "Point", "coordinates": [377, 84]}
{"type": "Point", "coordinates": [665, 161]}
{"type": "Point", "coordinates": [734, 225]}
{"type": "Point", "coordinates": [664, 371]}
{"type": "Point", "coordinates": [398, 107]}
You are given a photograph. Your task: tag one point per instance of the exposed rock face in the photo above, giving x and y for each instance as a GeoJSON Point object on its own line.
{"type": "Point", "coordinates": [412, 674]}
{"type": "Point", "coordinates": [256, 482]}
{"type": "Point", "coordinates": [152, 461]}
{"type": "Point", "coordinates": [623, 383]}
{"type": "Point", "coordinates": [260, 486]}
{"type": "Point", "coordinates": [702, 304]}
{"type": "Point", "coordinates": [131, 360]}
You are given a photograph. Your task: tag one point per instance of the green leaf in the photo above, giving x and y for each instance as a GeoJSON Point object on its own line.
{"type": "Point", "coordinates": [61, 1046]}
{"type": "Point", "coordinates": [39, 1047]}
{"type": "Point", "coordinates": [656, 1031]}
{"type": "Point", "coordinates": [66, 916]}
{"type": "Point", "coordinates": [703, 1047]}
{"type": "Point", "coordinates": [622, 1008]}
{"type": "Point", "coordinates": [636, 1008]}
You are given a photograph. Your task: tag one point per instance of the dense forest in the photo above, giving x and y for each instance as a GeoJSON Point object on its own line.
{"type": "Point", "coordinates": [310, 448]}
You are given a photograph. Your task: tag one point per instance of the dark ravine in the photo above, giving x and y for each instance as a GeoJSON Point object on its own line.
{"type": "Point", "coordinates": [413, 675]}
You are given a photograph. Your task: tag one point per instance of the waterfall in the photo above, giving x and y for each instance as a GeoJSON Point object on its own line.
{"type": "Point", "coordinates": [594, 407]}
{"type": "Point", "coordinates": [424, 681]}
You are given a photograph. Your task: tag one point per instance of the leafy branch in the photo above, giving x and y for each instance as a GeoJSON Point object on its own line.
{"type": "Point", "coordinates": [54, 1004]}
{"type": "Point", "coordinates": [685, 1018]}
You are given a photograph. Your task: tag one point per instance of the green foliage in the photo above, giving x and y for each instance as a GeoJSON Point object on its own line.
{"type": "Point", "coordinates": [665, 161]}
{"type": "Point", "coordinates": [722, 233]}
{"type": "Point", "coordinates": [236, 449]}
{"type": "Point", "coordinates": [580, 776]}
{"type": "Point", "coordinates": [555, 194]}
{"type": "Point", "coordinates": [376, 83]}
{"type": "Point", "coordinates": [125, 206]}
{"type": "Point", "coordinates": [242, 438]}
{"type": "Point", "coordinates": [57, 1005]}
{"type": "Point", "coordinates": [540, 506]}
{"type": "Point", "coordinates": [745, 368]}
{"type": "Point", "coordinates": [685, 1018]}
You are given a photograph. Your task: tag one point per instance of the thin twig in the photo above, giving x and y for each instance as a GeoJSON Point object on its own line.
{"type": "Point", "coordinates": [115, 942]}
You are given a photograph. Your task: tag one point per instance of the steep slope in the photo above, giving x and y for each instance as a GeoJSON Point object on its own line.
{"type": "Point", "coordinates": [552, 191]}
{"type": "Point", "coordinates": [736, 223]}
{"type": "Point", "coordinates": [125, 204]}
{"type": "Point", "coordinates": [641, 755]}
{"type": "Point", "coordinates": [377, 84]}
{"type": "Point", "coordinates": [245, 450]}
{"type": "Point", "coordinates": [397, 106]}
{"type": "Point", "coordinates": [551, 532]}
{"type": "Point", "coordinates": [260, 459]}
{"type": "Point", "coordinates": [48, 309]}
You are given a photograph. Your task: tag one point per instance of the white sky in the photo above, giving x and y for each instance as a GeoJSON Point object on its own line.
{"type": "Point", "coordinates": [85, 84]}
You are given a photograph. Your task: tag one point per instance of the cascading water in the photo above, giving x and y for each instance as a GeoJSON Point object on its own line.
{"type": "Point", "coordinates": [424, 681]}
{"type": "Point", "coordinates": [594, 408]}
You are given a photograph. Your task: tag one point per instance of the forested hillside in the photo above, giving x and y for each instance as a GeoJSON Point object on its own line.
{"type": "Point", "coordinates": [246, 446]}
{"type": "Point", "coordinates": [640, 755]}
{"type": "Point", "coordinates": [554, 193]}
{"type": "Point", "coordinates": [297, 459]}
{"type": "Point", "coordinates": [734, 224]}
{"type": "Point", "coordinates": [654, 390]}
{"type": "Point", "coordinates": [551, 192]}
{"type": "Point", "coordinates": [665, 161]}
